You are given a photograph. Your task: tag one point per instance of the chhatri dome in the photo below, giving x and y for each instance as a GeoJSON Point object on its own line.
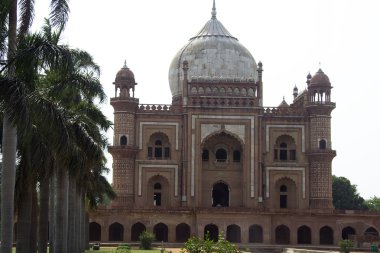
{"type": "Point", "coordinates": [212, 54]}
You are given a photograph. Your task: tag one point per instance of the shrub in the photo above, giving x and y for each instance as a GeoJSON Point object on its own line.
{"type": "Point", "coordinates": [146, 238]}
{"type": "Point", "coordinates": [346, 246]}
{"type": "Point", "coordinates": [196, 245]}
{"type": "Point", "coordinates": [123, 248]}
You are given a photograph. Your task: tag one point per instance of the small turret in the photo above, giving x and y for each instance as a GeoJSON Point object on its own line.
{"type": "Point", "coordinates": [124, 82]}
{"type": "Point", "coordinates": [295, 92]}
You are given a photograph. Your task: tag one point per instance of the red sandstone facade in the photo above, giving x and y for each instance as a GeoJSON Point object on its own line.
{"type": "Point", "coordinates": [217, 160]}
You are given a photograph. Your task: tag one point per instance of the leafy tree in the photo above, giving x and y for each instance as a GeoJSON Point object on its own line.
{"type": "Point", "coordinates": [345, 195]}
{"type": "Point", "coordinates": [373, 203]}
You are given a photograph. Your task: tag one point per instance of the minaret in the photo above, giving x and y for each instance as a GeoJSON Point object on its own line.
{"type": "Point", "coordinates": [124, 148]}
{"type": "Point", "coordinates": [320, 153]}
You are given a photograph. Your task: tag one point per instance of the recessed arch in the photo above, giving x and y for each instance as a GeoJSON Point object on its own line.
{"type": "Point", "coordinates": [161, 232]}
{"type": "Point", "coordinates": [95, 232]}
{"type": "Point", "coordinates": [182, 232]}
{"type": "Point", "coordinates": [116, 232]}
{"type": "Point", "coordinates": [233, 233]}
{"type": "Point", "coordinates": [158, 193]}
{"type": "Point", "coordinates": [282, 235]}
{"type": "Point", "coordinates": [255, 234]}
{"type": "Point", "coordinates": [220, 195]}
{"type": "Point", "coordinates": [371, 231]}
{"type": "Point", "coordinates": [304, 235]}
{"type": "Point", "coordinates": [326, 236]}
{"type": "Point", "coordinates": [123, 140]}
{"type": "Point", "coordinates": [136, 231]}
{"type": "Point", "coordinates": [285, 149]}
{"type": "Point", "coordinates": [159, 146]}
{"type": "Point", "coordinates": [212, 231]}
{"type": "Point", "coordinates": [347, 231]}
{"type": "Point", "coordinates": [286, 193]}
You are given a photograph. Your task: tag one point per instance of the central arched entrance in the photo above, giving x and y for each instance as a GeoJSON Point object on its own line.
{"type": "Point", "coordinates": [220, 195]}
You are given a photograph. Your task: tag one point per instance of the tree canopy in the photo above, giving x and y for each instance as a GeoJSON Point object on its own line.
{"type": "Point", "coordinates": [345, 195]}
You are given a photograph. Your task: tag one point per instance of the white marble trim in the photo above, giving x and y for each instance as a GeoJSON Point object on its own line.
{"type": "Point", "coordinates": [160, 124]}
{"type": "Point", "coordinates": [267, 177]}
{"type": "Point", "coordinates": [284, 126]}
{"type": "Point", "coordinates": [175, 167]}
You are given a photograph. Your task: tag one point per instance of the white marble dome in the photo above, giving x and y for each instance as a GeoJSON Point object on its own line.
{"type": "Point", "coordinates": [212, 54]}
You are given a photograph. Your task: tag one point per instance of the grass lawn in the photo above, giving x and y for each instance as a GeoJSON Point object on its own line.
{"type": "Point", "coordinates": [110, 249]}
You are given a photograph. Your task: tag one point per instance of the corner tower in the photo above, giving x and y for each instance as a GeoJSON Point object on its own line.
{"type": "Point", "coordinates": [124, 148]}
{"type": "Point", "coordinates": [320, 153]}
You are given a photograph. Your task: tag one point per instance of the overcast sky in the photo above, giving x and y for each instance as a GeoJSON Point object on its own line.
{"type": "Point", "coordinates": [291, 38]}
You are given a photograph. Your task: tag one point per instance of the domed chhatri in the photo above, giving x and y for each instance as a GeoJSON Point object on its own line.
{"type": "Point", "coordinates": [212, 54]}
{"type": "Point", "coordinates": [320, 79]}
{"type": "Point", "coordinates": [124, 81]}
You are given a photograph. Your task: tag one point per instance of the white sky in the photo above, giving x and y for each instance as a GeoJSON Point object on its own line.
{"type": "Point", "coordinates": [291, 38]}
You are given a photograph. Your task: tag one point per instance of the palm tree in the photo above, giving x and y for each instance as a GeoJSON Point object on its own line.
{"type": "Point", "coordinates": [8, 8]}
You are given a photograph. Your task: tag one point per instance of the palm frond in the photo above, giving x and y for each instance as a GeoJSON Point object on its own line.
{"type": "Point", "coordinates": [5, 6]}
{"type": "Point", "coordinates": [59, 13]}
{"type": "Point", "coordinates": [26, 8]}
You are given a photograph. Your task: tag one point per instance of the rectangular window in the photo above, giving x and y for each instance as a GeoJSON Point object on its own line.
{"type": "Point", "coordinates": [283, 154]}
{"type": "Point", "coordinates": [275, 154]}
{"type": "Point", "coordinates": [293, 154]}
{"type": "Point", "coordinates": [150, 153]}
{"type": "Point", "coordinates": [158, 153]}
{"type": "Point", "coordinates": [167, 152]}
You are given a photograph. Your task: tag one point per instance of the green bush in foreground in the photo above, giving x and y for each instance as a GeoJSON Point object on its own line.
{"type": "Point", "coordinates": [122, 248]}
{"type": "Point", "coordinates": [146, 238]}
{"type": "Point", "coordinates": [196, 245]}
{"type": "Point", "coordinates": [346, 246]}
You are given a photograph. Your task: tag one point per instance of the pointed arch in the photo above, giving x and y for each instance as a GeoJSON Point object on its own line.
{"type": "Point", "coordinates": [182, 232]}
{"type": "Point", "coordinates": [116, 232]}
{"type": "Point", "coordinates": [282, 235]}
{"type": "Point", "coordinates": [220, 194]}
{"type": "Point", "coordinates": [326, 236]}
{"type": "Point", "coordinates": [136, 230]}
{"type": "Point", "coordinates": [233, 233]}
{"type": "Point", "coordinates": [95, 232]}
{"type": "Point", "coordinates": [304, 235]}
{"type": "Point", "coordinates": [212, 231]}
{"type": "Point", "coordinates": [255, 234]}
{"type": "Point", "coordinates": [161, 232]}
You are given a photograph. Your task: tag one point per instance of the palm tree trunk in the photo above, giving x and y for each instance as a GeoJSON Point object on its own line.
{"type": "Point", "coordinates": [43, 221]}
{"type": "Point", "coordinates": [61, 219]}
{"type": "Point", "coordinates": [9, 152]}
{"type": "Point", "coordinates": [72, 236]}
{"type": "Point", "coordinates": [34, 222]}
{"type": "Point", "coordinates": [52, 190]}
{"type": "Point", "coordinates": [24, 216]}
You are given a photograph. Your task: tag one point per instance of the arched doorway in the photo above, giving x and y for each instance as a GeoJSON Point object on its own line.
{"type": "Point", "coordinates": [182, 232]}
{"type": "Point", "coordinates": [282, 235]}
{"type": "Point", "coordinates": [212, 231]}
{"type": "Point", "coordinates": [326, 236]}
{"type": "Point", "coordinates": [136, 231]}
{"type": "Point", "coordinates": [304, 235]}
{"type": "Point", "coordinates": [161, 232]}
{"type": "Point", "coordinates": [255, 234]}
{"type": "Point", "coordinates": [158, 191]}
{"type": "Point", "coordinates": [347, 231]}
{"type": "Point", "coordinates": [286, 193]}
{"type": "Point", "coordinates": [95, 231]}
{"type": "Point", "coordinates": [116, 232]}
{"type": "Point", "coordinates": [220, 195]}
{"type": "Point", "coordinates": [234, 233]}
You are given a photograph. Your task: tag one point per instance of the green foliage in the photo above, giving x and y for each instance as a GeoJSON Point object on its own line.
{"type": "Point", "coordinates": [224, 246]}
{"type": "Point", "coordinates": [346, 246]}
{"type": "Point", "coordinates": [196, 245]}
{"type": "Point", "coordinates": [123, 248]}
{"type": "Point", "coordinates": [373, 203]}
{"type": "Point", "coordinates": [146, 238]}
{"type": "Point", "coordinates": [345, 195]}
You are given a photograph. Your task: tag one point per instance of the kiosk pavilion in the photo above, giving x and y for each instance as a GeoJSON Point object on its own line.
{"type": "Point", "coordinates": [217, 160]}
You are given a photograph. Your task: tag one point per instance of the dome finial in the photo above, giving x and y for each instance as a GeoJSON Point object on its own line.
{"type": "Point", "coordinates": [125, 64]}
{"type": "Point", "coordinates": [213, 13]}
